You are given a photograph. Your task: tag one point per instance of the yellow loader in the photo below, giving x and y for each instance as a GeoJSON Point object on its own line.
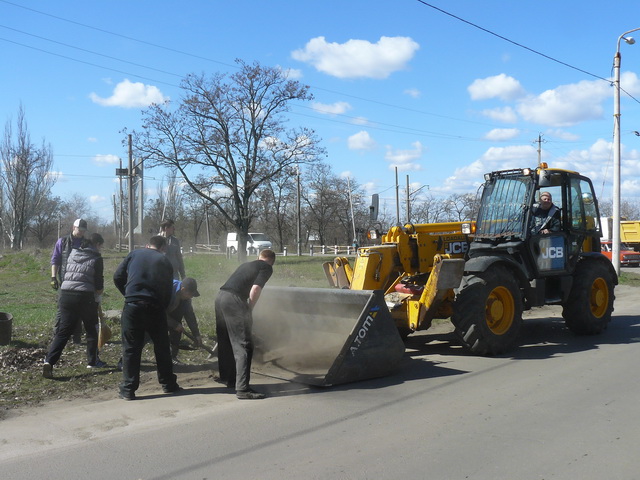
{"type": "Point", "coordinates": [481, 275]}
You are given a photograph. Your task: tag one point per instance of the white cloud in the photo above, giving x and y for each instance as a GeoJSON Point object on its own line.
{"type": "Point", "coordinates": [106, 160]}
{"type": "Point", "coordinates": [413, 92]}
{"type": "Point", "coordinates": [58, 176]}
{"type": "Point", "coordinates": [566, 105]}
{"type": "Point", "coordinates": [563, 106]}
{"type": "Point", "coordinates": [370, 188]}
{"type": "Point", "coordinates": [506, 114]}
{"type": "Point", "coordinates": [596, 162]}
{"type": "Point", "coordinates": [513, 156]}
{"type": "Point", "coordinates": [630, 187]}
{"type": "Point", "coordinates": [337, 108]}
{"type": "Point", "coordinates": [360, 121]}
{"type": "Point", "coordinates": [499, 86]}
{"type": "Point", "coordinates": [563, 135]}
{"type": "Point", "coordinates": [96, 199]}
{"type": "Point", "coordinates": [291, 73]}
{"type": "Point", "coordinates": [502, 134]}
{"type": "Point", "coordinates": [128, 94]}
{"type": "Point", "coordinates": [361, 141]}
{"type": "Point", "coordinates": [92, 139]}
{"type": "Point", "coordinates": [405, 159]}
{"type": "Point", "coordinates": [630, 83]}
{"type": "Point", "coordinates": [467, 179]}
{"type": "Point", "coordinates": [358, 58]}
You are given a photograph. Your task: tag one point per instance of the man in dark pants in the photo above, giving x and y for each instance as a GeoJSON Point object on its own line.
{"type": "Point", "coordinates": [59, 257]}
{"type": "Point", "coordinates": [234, 322]}
{"type": "Point", "coordinates": [145, 278]}
{"type": "Point", "coordinates": [179, 308]}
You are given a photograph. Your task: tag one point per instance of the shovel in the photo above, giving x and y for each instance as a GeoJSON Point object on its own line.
{"type": "Point", "coordinates": [204, 347]}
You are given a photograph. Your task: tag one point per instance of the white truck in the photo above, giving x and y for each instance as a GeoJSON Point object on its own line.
{"type": "Point", "coordinates": [255, 243]}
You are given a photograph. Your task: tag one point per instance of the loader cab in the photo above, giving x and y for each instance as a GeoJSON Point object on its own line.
{"type": "Point", "coordinates": [506, 219]}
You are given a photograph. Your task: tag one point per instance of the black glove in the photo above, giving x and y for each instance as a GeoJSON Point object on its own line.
{"type": "Point", "coordinates": [54, 283]}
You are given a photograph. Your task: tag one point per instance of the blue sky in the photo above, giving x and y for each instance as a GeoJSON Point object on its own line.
{"type": "Point", "coordinates": [396, 83]}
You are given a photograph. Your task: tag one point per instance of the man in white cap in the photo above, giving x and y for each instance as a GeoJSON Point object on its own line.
{"type": "Point", "coordinates": [59, 258]}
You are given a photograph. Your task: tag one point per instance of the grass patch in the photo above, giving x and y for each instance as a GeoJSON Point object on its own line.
{"type": "Point", "coordinates": [631, 279]}
{"type": "Point", "coordinates": [25, 293]}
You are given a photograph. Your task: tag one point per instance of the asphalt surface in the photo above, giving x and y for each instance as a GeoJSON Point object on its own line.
{"type": "Point", "coordinates": [558, 407]}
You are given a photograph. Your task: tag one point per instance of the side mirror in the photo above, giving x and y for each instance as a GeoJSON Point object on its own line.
{"type": "Point", "coordinates": [545, 178]}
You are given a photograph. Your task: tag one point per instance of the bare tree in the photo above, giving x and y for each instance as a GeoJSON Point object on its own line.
{"type": "Point", "coordinates": [26, 179]}
{"type": "Point", "coordinates": [171, 197]}
{"type": "Point", "coordinates": [460, 207]}
{"type": "Point", "coordinates": [44, 223]}
{"type": "Point", "coordinates": [277, 213]}
{"type": "Point", "coordinates": [324, 197]}
{"type": "Point", "coordinates": [628, 209]}
{"type": "Point", "coordinates": [228, 138]}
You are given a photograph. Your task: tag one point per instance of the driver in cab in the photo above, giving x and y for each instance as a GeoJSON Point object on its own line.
{"type": "Point", "coordinates": [545, 215]}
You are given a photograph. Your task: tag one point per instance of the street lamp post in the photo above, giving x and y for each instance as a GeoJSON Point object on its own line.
{"type": "Point", "coordinates": [615, 238]}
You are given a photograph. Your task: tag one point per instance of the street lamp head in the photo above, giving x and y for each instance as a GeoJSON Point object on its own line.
{"type": "Point", "coordinates": [629, 40]}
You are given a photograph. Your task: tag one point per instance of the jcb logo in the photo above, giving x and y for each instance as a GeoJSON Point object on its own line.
{"type": "Point", "coordinates": [553, 252]}
{"type": "Point", "coordinates": [454, 248]}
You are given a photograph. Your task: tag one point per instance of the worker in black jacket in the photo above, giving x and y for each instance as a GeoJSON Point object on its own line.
{"type": "Point", "coordinates": [145, 278]}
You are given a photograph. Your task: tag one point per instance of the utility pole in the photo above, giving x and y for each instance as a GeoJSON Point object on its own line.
{"type": "Point", "coordinates": [130, 186]}
{"type": "Point", "coordinates": [121, 222]}
{"type": "Point", "coordinates": [397, 199]}
{"type": "Point", "coordinates": [539, 142]}
{"type": "Point", "coordinates": [298, 240]}
{"type": "Point", "coordinates": [206, 211]}
{"type": "Point", "coordinates": [353, 220]}
{"type": "Point", "coordinates": [408, 202]}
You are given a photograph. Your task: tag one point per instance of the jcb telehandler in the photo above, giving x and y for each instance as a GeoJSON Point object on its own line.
{"type": "Point", "coordinates": [482, 275]}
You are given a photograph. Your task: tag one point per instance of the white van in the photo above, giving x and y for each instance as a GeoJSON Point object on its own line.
{"type": "Point", "coordinates": [255, 243]}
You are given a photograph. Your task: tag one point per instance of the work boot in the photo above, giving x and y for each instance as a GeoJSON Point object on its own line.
{"type": "Point", "coordinates": [127, 396]}
{"type": "Point", "coordinates": [249, 395]}
{"type": "Point", "coordinates": [99, 364]}
{"type": "Point", "coordinates": [227, 383]}
{"type": "Point", "coordinates": [174, 389]}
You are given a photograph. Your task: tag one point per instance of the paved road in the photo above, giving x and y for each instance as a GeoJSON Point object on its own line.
{"type": "Point", "coordinates": [559, 407]}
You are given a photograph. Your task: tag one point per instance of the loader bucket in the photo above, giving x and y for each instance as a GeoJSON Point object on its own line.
{"type": "Point", "coordinates": [324, 337]}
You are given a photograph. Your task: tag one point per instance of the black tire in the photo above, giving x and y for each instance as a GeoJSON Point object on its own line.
{"type": "Point", "coordinates": [589, 306]}
{"type": "Point", "coordinates": [487, 311]}
{"type": "Point", "coordinates": [404, 333]}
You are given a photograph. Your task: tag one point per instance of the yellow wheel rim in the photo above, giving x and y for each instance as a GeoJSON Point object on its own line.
{"type": "Point", "coordinates": [599, 297]}
{"type": "Point", "coordinates": [500, 310]}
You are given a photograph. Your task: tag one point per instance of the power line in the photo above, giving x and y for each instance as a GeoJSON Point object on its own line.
{"type": "Point", "coordinates": [548, 57]}
{"type": "Point", "coordinates": [118, 34]}
{"type": "Point", "coordinates": [87, 63]}
{"type": "Point", "coordinates": [377, 102]}
{"type": "Point", "coordinates": [511, 41]}
{"type": "Point", "coordinates": [90, 51]}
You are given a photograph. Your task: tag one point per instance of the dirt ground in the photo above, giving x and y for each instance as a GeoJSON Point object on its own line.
{"type": "Point", "coordinates": [200, 370]}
